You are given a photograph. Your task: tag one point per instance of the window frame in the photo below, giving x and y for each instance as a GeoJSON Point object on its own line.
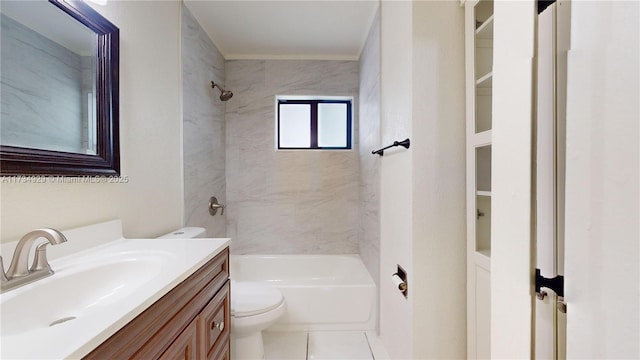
{"type": "Point", "coordinates": [313, 136]}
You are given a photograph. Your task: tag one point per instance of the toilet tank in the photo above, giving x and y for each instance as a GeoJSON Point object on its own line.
{"type": "Point", "coordinates": [186, 233]}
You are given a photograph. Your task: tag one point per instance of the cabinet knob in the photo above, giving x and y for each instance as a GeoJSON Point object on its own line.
{"type": "Point", "coordinates": [219, 326]}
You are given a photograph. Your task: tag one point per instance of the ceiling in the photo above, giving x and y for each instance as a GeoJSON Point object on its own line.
{"type": "Point", "coordinates": [301, 29]}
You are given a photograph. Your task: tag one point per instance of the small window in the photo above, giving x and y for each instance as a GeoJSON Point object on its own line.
{"type": "Point", "coordinates": [313, 124]}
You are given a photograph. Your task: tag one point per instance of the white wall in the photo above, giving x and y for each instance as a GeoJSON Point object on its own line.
{"type": "Point", "coordinates": [396, 232]}
{"type": "Point", "coordinates": [369, 139]}
{"type": "Point", "coordinates": [511, 268]}
{"type": "Point", "coordinates": [438, 181]}
{"type": "Point", "coordinates": [422, 189]}
{"type": "Point", "coordinates": [150, 116]}
{"type": "Point", "coordinates": [602, 246]}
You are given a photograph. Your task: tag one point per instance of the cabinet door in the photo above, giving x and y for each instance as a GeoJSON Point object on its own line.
{"type": "Point", "coordinates": [214, 323]}
{"type": "Point", "coordinates": [224, 354]}
{"type": "Point", "coordinates": [185, 346]}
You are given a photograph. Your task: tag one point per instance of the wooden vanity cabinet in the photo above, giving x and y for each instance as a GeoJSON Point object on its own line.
{"type": "Point", "coordinates": [213, 326]}
{"type": "Point", "coordinates": [185, 346]}
{"type": "Point", "coordinates": [192, 321]}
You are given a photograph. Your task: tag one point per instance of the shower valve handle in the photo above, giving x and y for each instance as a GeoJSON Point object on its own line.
{"type": "Point", "coordinates": [214, 206]}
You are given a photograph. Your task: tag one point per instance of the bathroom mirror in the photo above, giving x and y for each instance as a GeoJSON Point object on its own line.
{"type": "Point", "coordinates": [59, 89]}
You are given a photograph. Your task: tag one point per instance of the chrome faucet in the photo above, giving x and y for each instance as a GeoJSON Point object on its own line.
{"type": "Point", "coordinates": [19, 272]}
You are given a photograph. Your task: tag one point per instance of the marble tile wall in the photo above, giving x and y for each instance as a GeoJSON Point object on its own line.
{"type": "Point", "coordinates": [369, 139]}
{"type": "Point", "coordinates": [288, 202]}
{"type": "Point", "coordinates": [89, 134]}
{"type": "Point", "coordinates": [203, 127]}
{"type": "Point", "coordinates": [41, 102]}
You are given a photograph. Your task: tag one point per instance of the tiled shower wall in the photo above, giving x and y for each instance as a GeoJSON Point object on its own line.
{"type": "Point", "coordinates": [288, 202]}
{"type": "Point", "coordinates": [41, 103]}
{"type": "Point", "coordinates": [369, 230]}
{"type": "Point", "coordinates": [203, 127]}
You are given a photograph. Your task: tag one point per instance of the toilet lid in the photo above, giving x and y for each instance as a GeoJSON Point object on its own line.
{"type": "Point", "coordinates": [252, 298]}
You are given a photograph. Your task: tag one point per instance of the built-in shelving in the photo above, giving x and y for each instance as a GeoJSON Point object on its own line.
{"type": "Point", "coordinates": [486, 81]}
{"type": "Point", "coordinates": [479, 31]}
{"type": "Point", "coordinates": [484, 255]}
{"type": "Point", "coordinates": [485, 30]}
{"type": "Point", "coordinates": [481, 139]}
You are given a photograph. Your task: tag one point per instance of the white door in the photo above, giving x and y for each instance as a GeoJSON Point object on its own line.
{"type": "Point", "coordinates": [552, 45]}
{"type": "Point", "coordinates": [602, 265]}
{"type": "Point", "coordinates": [602, 179]}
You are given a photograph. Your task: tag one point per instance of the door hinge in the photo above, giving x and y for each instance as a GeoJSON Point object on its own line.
{"type": "Point", "coordinates": [556, 283]}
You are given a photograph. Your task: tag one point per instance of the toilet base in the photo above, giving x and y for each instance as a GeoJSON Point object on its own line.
{"type": "Point", "coordinates": [248, 347]}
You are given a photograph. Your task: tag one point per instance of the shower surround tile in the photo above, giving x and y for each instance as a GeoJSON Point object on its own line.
{"type": "Point", "coordinates": [47, 117]}
{"type": "Point", "coordinates": [369, 190]}
{"type": "Point", "coordinates": [203, 127]}
{"type": "Point", "coordinates": [288, 202]}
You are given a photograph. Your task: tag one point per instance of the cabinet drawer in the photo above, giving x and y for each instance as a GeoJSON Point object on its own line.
{"type": "Point", "coordinates": [214, 323]}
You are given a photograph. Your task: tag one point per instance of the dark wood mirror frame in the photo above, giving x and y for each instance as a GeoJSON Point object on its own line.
{"type": "Point", "coordinates": [15, 161]}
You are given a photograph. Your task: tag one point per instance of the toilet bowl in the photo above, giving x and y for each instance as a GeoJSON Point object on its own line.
{"type": "Point", "coordinates": [254, 308]}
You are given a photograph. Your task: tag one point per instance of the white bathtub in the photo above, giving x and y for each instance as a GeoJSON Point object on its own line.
{"type": "Point", "coordinates": [323, 292]}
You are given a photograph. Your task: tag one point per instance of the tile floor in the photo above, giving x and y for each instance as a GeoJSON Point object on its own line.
{"type": "Point", "coordinates": [323, 345]}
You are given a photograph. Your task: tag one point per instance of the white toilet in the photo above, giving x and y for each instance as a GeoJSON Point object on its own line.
{"type": "Point", "coordinates": [254, 308]}
{"type": "Point", "coordinates": [186, 233]}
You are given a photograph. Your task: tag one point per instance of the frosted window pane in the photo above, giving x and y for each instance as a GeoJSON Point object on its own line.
{"type": "Point", "coordinates": [332, 125]}
{"type": "Point", "coordinates": [295, 127]}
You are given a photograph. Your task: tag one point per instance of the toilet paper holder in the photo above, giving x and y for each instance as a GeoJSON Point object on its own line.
{"type": "Point", "coordinates": [400, 280]}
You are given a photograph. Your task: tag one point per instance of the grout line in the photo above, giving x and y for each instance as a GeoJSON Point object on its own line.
{"type": "Point", "coordinates": [307, 355]}
{"type": "Point", "coordinates": [373, 357]}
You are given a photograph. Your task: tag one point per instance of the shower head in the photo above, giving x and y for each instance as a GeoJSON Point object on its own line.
{"type": "Point", "coordinates": [224, 94]}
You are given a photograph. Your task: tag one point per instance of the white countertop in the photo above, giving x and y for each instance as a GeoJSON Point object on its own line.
{"type": "Point", "coordinates": [158, 266]}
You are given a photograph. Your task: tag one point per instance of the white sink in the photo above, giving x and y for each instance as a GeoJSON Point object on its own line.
{"type": "Point", "coordinates": [95, 291]}
{"type": "Point", "coordinates": [77, 290]}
